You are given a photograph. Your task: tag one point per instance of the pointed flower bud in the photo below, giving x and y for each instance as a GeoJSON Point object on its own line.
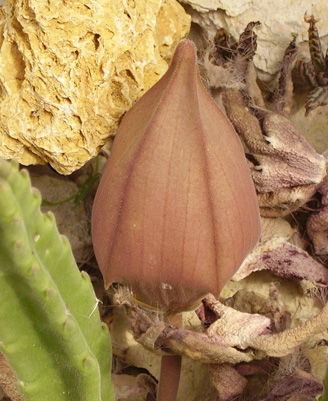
{"type": "Point", "coordinates": [176, 210]}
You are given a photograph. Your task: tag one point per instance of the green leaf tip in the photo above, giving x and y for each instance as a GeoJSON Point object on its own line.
{"type": "Point", "coordinates": [50, 332]}
{"type": "Point", "coordinates": [7, 168]}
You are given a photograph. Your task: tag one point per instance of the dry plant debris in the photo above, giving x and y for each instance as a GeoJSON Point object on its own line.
{"type": "Point", "coordinates": [315, 72]}
{"type": "Point", "coordinates": [317, 224]}
{"type": "Point", "coordinates": [286, 170]}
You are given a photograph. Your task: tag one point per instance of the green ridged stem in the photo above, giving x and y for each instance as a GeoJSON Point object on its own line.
{"type": "Point", "coordinates": [50, 330]}
{"type": "Point", "coordinates": [324, 395]}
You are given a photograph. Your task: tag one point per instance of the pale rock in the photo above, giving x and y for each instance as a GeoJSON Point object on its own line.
{"type": "Point", "coordinates": [231, 8]}
{"type": "Point", "coordinates": [72, 221]}
{"type": "Point", "coordinates": [313, 126]}
{"type": "Point", "coordinates": [69, 71]}
{"type": "Point", "coordinates": [279, 20]}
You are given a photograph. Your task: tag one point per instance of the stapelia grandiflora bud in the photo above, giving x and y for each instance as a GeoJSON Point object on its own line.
{"type": "Point", "coordinates": [176, 212]}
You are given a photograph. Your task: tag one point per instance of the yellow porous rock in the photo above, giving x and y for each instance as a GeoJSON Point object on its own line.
{"type": "Point", "coordinates": [70, 69]}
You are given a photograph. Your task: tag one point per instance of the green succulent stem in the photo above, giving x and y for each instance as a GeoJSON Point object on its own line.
{"type": "Point", "coordinates": [50, 331]}
{"type": "Point", "coordinates": [169, 380]}
{"type": "Point", "coordinates": [324, 395]}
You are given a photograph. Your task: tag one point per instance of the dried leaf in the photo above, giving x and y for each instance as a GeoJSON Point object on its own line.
{"type": "Point", "coordinates": [285, 168]}
{"type": "Point", "coordinates": [234, 337]}
{"type": "Point", "coordinates": [283, 96]}
{"type": "Point", "coordinates": [295, 387]}
{"type": "Point", "coordinates": [317, 224]}
{"type": "Point", "coordinates": [286, 260]}
{"type": "Point", "coordinates": [228, 382]}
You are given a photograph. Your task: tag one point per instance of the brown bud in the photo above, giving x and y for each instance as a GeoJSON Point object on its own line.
{"type": "Point", "coordinates": [176, 210]}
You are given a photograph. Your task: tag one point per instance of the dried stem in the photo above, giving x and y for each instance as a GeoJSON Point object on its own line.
{"type": "Point", "coordinates": [170, 369]}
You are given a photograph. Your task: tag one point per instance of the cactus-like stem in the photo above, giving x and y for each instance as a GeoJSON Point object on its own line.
{"type": "Point", "coordinates": [324, 395]}
{"type": "Point", "coordinates": [50, 331]}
